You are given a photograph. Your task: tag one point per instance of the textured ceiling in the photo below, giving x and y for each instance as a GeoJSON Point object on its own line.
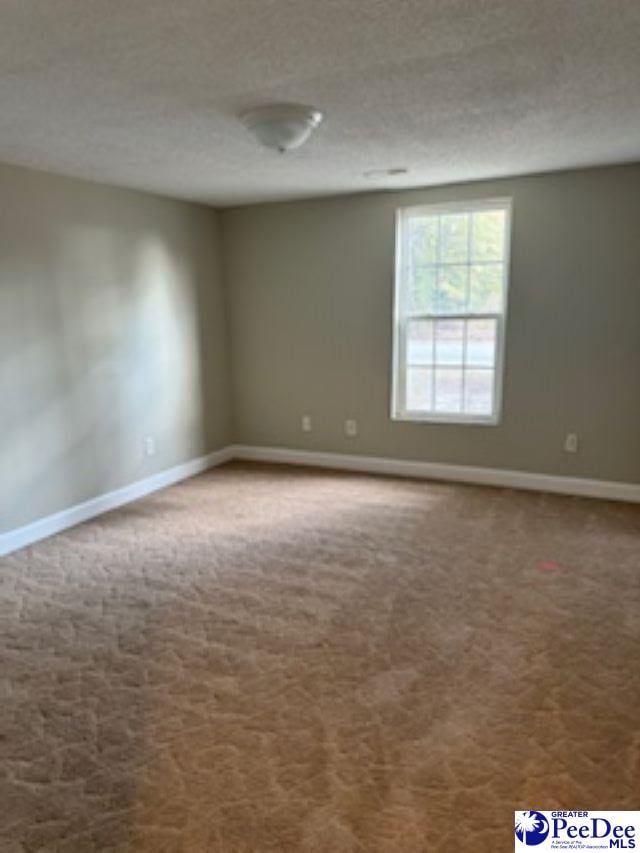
{"type": "Point", "coordinates": [145, 93]}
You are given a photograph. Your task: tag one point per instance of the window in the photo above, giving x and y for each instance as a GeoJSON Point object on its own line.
{"type": "Point", "coordinates": [452, 267]}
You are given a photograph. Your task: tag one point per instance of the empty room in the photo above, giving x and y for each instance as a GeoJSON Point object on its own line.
{"type": "Point", "coordinates": [319, 426]}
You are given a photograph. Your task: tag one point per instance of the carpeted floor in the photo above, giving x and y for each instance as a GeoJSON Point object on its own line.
{"type": "Point", "coordinates": [275, 659]}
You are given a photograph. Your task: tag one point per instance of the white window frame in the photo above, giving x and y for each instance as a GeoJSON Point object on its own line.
{"type": "Point", "coordinates": [399, 410]}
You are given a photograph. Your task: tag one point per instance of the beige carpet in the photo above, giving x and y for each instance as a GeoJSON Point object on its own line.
{"type": "Point", "coordinates": [275, 659]}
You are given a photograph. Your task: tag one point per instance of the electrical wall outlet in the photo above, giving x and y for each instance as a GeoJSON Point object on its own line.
{"type": "Point", "coordinates": [350, 428]}
{"type": "Point", "coordinates": [149, 445]}
{"type": "Point", "coordinates": [571, 443]}
{"type": "Point", "coordinates": [306, 423]}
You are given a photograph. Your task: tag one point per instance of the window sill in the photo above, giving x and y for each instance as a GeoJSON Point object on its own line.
{"type": "Point", "coordinates": [454, 420]}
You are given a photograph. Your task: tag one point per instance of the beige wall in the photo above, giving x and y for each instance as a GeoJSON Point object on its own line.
{"type": "Point", "coordinates": [112, 327]}
{"type": "Point", "coordinates": [310, 295]}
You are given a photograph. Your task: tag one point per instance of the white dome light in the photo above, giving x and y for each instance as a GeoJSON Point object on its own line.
{"type": "Point", "coordinates": [282, 126]}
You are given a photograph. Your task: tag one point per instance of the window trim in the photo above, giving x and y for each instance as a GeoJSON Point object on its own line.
{"type": "Point", "coordinates": [399, 412]}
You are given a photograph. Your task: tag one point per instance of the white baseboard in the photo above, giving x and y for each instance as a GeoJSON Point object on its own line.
{"type": "Point", "coordinates": [437, 471]}
{"type": "Point", "coordinates": [30, 533]}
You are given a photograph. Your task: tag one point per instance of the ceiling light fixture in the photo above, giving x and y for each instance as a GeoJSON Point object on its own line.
{"type": "Point", "coordinates": [385, 173]}
{"type": "Point", "coordinates": [282, 126]}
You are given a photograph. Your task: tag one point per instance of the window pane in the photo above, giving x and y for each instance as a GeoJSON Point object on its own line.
{"type": "Point", "coordinates": [478, 392]}
{"type": "Point", "coordinates": [448, 389]}
{"type": "Point", "coordinates": [449, 341]}
{"type": "Point", "coordinates": [452, 289]}
{"type": "Point", "coordinates": [422, 286]}
{"type": "Point", "coordinates": [454, 238]}
{"type": "Point", "coordinates": [419, 389]}
{"type": "Point", "coordinates": [481, 343]}
{"type": "Point", "coordinates": [485, 288]}
{"type": "Point", "coordinates": [452, 280]}
{"type": "Point", "coordinates": [487, 235]}
{"type": "Point", "coordinates": [422, 239]}
{"type": "Point", "coordinates": [420, 342]}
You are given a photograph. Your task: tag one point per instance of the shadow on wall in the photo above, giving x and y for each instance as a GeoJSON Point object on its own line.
{"type": "Point", "coordinates": [104, 343]}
